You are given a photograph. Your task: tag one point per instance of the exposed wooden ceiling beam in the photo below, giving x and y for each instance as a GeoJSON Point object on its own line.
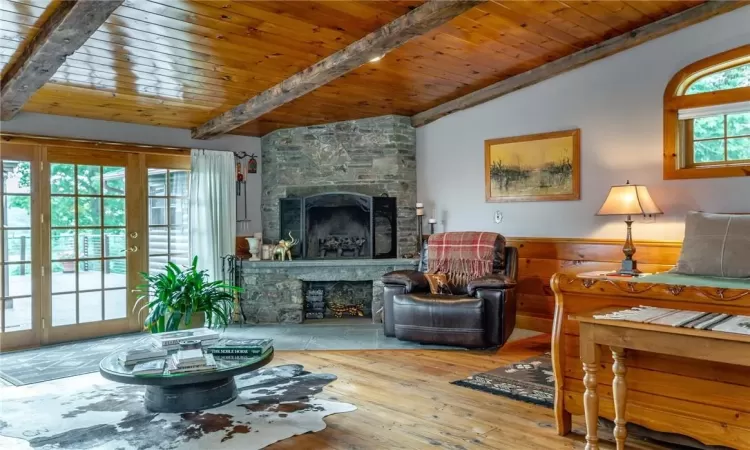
{"type": "Point", "coordinates": [64, 32]}
{"type": "Point", "coordinates": [615, 45]}
{"type": "Point", "coordinates": [415, 23]}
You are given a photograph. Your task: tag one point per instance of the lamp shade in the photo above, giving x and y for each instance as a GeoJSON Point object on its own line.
{"type": "Point", "coordinates": [628, 199]}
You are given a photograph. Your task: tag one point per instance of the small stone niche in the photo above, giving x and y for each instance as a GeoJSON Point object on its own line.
{"type": "Point", "coordinates": [323, 297]}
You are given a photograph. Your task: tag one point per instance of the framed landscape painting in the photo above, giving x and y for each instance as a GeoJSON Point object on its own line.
{"type": "Point", "coordinates": [535, 167]}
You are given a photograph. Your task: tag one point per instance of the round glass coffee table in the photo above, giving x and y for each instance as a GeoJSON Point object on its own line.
{"type": "Point", "coordinates": [184, 392]}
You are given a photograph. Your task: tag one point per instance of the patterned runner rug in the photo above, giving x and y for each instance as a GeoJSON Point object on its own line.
{"type": "Point", "coordinates": [89, 412]}
{"type": "Point", "coordinates": [530, 380]}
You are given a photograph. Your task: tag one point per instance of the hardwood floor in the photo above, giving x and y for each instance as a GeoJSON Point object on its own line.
{"type": "Point", "coordinates": [405, 400]}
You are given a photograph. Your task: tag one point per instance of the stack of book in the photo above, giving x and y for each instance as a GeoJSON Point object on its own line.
{"type": "Point", "coordinates": [189, 361]}
{"type": "Point", "coordinates": [141, 353]}
{"type": "Point", "coordinates": [239, 348]}
{"type": "Point", "coordinates": [171, 339]}
{"type": "Point", "coordinates": [155, 367]}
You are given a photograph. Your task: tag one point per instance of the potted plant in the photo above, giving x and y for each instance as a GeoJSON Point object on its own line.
{"type": "Point", "coordinates": [174, 296]}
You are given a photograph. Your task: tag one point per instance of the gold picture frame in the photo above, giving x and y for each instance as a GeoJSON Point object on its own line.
{"type": "Point", "coordinates": [534, 167]}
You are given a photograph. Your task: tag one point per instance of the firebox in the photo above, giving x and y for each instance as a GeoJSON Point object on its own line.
{"type": "Point", "coordinates": [339, 225]}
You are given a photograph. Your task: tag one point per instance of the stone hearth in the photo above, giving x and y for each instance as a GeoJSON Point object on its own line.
{"type": "Point", "coordinates": [274, 291]}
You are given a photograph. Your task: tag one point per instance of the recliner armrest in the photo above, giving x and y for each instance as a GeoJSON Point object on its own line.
{"type": "Point", "coordinates": [495, 281]}
{"type": "Point", "coordinates": [411, 280]}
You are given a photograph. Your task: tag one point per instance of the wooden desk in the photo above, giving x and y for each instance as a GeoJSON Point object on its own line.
{"type": "Point", "coordinates": [620, 335]}
{"type": "Point", "coordinates": [706, 400]}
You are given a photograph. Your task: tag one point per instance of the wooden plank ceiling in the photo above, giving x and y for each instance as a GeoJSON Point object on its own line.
{"type": "Point", "coordinates": [180, 63]}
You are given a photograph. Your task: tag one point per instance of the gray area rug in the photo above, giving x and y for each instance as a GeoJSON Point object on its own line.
{"type": "Point", "coordinates": [88, 412]}
{"type": "Point", "coordinates": [78, 358]}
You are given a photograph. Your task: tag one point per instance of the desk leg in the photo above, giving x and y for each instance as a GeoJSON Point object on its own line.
{"type": "Point", "coordinates": [620, 394]}
{"type": "Point", "coordinates": [590, 353]}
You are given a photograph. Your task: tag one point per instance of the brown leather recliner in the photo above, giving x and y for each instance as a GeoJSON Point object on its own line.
{"type": "Point", "coordinates": [480, 314]}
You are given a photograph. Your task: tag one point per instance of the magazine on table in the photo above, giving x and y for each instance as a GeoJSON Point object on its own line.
{"type": "Point", "coordinates": [240, 347]}
{"type": "Point", "coordinates": [155, 367]}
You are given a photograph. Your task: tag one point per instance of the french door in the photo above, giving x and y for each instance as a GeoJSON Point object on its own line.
{"type": "Point", "coordinates": [20, 291]}
{"type": "Point", "coordinates": [93, 237]}
{"type": "Point", "coordinates": [78, 225]}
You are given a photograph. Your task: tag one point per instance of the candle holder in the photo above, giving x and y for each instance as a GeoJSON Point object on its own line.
{"type": "Point", "coordinates": [420, 238]}
{"type": "Point", "coordinates": [432, 225]}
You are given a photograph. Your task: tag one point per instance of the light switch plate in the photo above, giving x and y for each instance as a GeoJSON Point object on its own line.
{"type": "Point", "coordinates": [498, 217]}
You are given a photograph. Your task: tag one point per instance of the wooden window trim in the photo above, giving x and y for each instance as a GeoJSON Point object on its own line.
{"type": "Point", "coordinates": [678, 164]}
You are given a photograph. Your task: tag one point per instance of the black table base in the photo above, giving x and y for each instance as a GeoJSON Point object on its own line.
{"type": "Point", "coordinates": [190, 397]}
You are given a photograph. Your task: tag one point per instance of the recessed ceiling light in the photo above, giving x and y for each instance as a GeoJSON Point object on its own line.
{"type": "Point", "coordinates": [376, 59]}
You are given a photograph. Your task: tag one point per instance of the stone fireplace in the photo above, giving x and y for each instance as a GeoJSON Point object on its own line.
{"type": "Point", "coordinates": [347, 191]}
{"type": "Point", "coordinates": [372, 158]}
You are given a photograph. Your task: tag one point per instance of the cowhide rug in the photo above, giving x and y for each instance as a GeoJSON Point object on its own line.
{"type": "Point", "coordinates": [88, 412]}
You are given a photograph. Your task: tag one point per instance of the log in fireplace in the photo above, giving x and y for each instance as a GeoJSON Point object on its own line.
{"type": "Point", "coordinates": [340, 225]}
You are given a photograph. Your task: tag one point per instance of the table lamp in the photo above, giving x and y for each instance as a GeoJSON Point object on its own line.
{"type": "Point", "coordinates": [626, 200]}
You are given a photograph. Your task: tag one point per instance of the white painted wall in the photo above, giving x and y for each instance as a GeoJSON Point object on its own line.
{"type": "Point", "coordinates": [101, 130]}
{"type": "Point", "coordinates": [617, 104]}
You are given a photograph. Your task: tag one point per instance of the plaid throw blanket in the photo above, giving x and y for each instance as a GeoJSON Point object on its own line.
{"type": "Point", "coordinates": [461, 256]}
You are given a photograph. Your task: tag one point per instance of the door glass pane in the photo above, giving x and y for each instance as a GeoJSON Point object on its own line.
{"type": "Point", "coordinates": [115, 304]}
{"type": "Point", "coordinates": [89, 275]}
{"type": "Point", "coordinates": [63, 276]}
{"type": "Point", "coordinates": [63, 244]}
{"type": "Point", "coordinates": [17, 210]}
{"type": "Point", "coordinates": [89, 243]}
{"type": "Point", "coordinates": [157, 241]}
{"type": "Point", "coordinates": [89, 180]}
{"type": "Point", "coordinates": [114, 212]}
{"type": "Point", "coordinates": [17, 245]}
{"type": "Point", "coordinates": [16, 177]}
{"type": "Point", "coordinates": [114, 181]}
{"type": "Point", "coordinates": [157, 182]}
{"type": "Point", "coordinates": [18, 314]}
{"type": "Point", "coordinates": [18, 280]}
{"type": "Point", "coordinates": [178, 239]}
{"type": "Point", "coordinates": [114, 242]}
{"type": "Point", "coordinates": [178, 211]}
{"type": "Point", "coordinates": [61, 178]}
{"type": "Point", "coordinates": [90, 306]}
{"type": "Point", "coordinates": [63, 213]}
{"type": "Point", "coordinates": [168, 214]}
{"type": "Point", "coordinates": [63, 309]}
{"type": "Point", "coordinates": [180, 259]}
{"type": "Point", "coordinates": [89, 211]}
{"type": "Point", "coordinates": [89, 253]}
{"type": "Point", "coordinates": [15, 237]}
{"type": "Point", "coordinates": [115, 274]}
{"type": "Point", "coordinates": [157, 211]}
{"type": "Point", "coordinates": [178, 183]}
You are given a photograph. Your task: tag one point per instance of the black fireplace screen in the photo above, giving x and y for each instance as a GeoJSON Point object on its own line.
{"type": "Point", "coordinates": [340, 225]}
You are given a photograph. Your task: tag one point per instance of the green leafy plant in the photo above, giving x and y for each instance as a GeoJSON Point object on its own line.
{"type": "Point", "coordinates": [172, 297]}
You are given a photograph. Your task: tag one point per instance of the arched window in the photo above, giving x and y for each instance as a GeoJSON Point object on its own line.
{"type": "Point", "coordinates": [707, 118]}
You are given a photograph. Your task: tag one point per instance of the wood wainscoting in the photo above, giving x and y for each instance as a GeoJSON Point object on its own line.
{"type": "Point", "coordinates": [540, 258]}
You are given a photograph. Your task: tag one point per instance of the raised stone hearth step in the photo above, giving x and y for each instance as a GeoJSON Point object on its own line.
{"type": "Point", "coordinates": [274, 291]}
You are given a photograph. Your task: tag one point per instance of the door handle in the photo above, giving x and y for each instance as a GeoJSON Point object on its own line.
{"type": "Point", "coordinates": [134, 234]}
{"type": "Point", "coordinates": [133, 249]}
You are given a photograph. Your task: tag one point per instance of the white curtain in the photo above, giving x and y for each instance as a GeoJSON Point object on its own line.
{"type": "Point", "coordinates": [213, 208]}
